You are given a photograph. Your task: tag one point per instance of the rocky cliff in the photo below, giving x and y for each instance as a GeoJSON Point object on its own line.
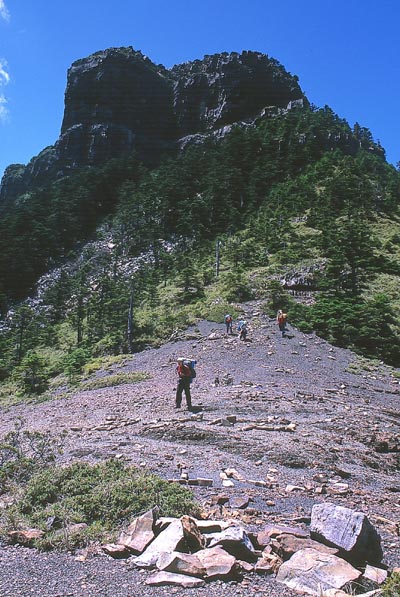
{"type": "Point", "coordinates": [117, 101]}
{"type": "Point", "coordinates": [227, 88]}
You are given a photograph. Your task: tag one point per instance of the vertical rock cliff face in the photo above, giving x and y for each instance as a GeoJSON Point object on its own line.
{"type": "Point", "coordinates": [117, 101]}
{"type": "Point", "coordinates": [227, 88]}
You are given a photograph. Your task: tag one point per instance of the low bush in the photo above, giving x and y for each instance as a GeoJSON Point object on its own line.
{"type": "Point", "coordinates": [104, 362]}
{"type": "Point", "coordinates": [22, 453]}
{"type": "Point", "coordinates": [114, 380]}
{"type": "Point", "coordinates": [101, 496]}
{"type": "Point", "coordinates": [391, 588]}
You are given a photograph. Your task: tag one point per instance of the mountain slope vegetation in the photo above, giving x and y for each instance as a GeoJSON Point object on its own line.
{"type": "Point", "coordinates": [299, 199]}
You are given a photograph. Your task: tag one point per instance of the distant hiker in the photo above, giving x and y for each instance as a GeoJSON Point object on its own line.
{"type": "Point", "coordinates": [281, 318]}
{"type": "Point", "coordinates": [229, 324]}
{"type": "Point", "coordinates": [242, 329]}
{"type": "Point", "coordinates": [243, 332]}
{"type": "Point", "coordinates": [184, 373]}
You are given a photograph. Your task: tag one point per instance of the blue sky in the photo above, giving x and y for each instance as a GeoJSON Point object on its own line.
{"type": "Point", "coordinates": [345, 53]}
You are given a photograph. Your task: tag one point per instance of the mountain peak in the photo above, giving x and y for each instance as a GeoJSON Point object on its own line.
{"type": "Point", "coordinates": [118, 101]}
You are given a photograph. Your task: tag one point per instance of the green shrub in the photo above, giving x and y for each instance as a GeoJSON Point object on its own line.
{"type": "Point", "coordinates": [103, 496]}
{"type": "Point", "coordinates": [364, 326]}
{"type": "Point", "coordinates": [235, 287]}
{"type": "Point", "coordinates": [110, 344]}
{"type": "Point", "coordinates": [391, 588]}
{"type": "Point", "coordinates": [22, 453]}
{"type": "Point", "coordinates": [31, 374]}
{"type": "Point", "coordinates": [215, 309]}
{"type": "Point", "coordinates": [115, 380]}
{"type": "Point", "coordinates": [104, 362]}
{"type": "Point", "coordinates": [278, 298]}
{"type": "Point", "coordinates": [75, 361]}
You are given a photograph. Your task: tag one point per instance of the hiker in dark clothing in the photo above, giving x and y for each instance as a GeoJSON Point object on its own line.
{"type": "Point", "coordinates": [243, 332]}
{"type": "Point", "coordinates": [184, 376]}
{"type": "Point", "coordinates": [242, 329]}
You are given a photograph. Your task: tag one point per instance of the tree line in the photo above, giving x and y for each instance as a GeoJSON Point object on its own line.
{"type": "Point", "coordinates": [246, 189]}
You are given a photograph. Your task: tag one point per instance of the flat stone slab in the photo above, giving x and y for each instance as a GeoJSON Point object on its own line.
{"type": "Point", "coordinates": [310, 570]}
{"type": "Point", "coordinates": [168, 578]}
{"type": "Point", "coordinates": [287, 545]}
{"type": "Point", "coordinates": [140, 532]}
{"type": "Point", "coordinates": [181, 563]}
{"type": "Point", "coordinates": [218, 563]}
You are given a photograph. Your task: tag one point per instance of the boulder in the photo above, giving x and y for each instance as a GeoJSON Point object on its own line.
{"type": "Point", "coordinates": [212, 526]}
{"type": "Point", "coordinates": [286, 545]}
{"type": "Point", "coordinates": [274, 530]}
{"type": "Point", "coordinates": [375, 575]}
{"type": "Point", "coordinates": [25, 537]}
{"type": "Point", "coordinates": [269, 563]}
{"type": "Point", "coordinates": [348, 530]}
{"type": "Point", "coordinates": [171, 539]}
{"type": "Point", "coordinates": [335, 593]}
{"type": "Point", "coordinates": [218, 563]}
{"type": "Point", "coordinates": [245, 566]}
{"type": "Point", "coordinates": [140, 532]}
{"type": "Point", "coordinates": [240, 503]}
{"type": "Point", "coordinates": [181, 563]}
{"type": "Point", "coordinates": [235, 541]}
{"type": "Point", "coordinates": [311, 571]}
{"type": "Point", "coordinates": [192, 534]}
{"type": "Point", "coordinates": [204, 526]}
{"type": "Point", "coordinates": [116, 550]}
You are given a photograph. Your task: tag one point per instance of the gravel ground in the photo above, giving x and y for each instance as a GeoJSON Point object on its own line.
{"type": "Point", "coordinates": [341, 411]}
{"type": "Point", "coordinates": [25, 572]}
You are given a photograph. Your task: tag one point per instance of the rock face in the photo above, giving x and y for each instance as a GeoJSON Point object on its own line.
{"type": "Point", "coordinates": [117, 101]}
{"type": "Point", "coordinates": [227, 88]}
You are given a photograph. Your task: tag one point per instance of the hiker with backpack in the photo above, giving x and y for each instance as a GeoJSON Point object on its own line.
{"type": "Point", "coordinates": [242, 329]}
{"type": "Point", "coordinates": [281, 318]}
{"type": "Point", "coordinates": [185, 372]}
{"type": "Point", "coordinates": [229, 324]}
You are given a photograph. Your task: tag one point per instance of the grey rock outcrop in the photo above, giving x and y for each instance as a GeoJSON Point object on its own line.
{"type": "Point", "coordinates": [348, 530]}
{"type": "Point", "coordinates": [118, 101]}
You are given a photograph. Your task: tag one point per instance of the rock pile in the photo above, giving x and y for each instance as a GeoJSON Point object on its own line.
{"type": "Point", "coordinates": [339, 554]}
